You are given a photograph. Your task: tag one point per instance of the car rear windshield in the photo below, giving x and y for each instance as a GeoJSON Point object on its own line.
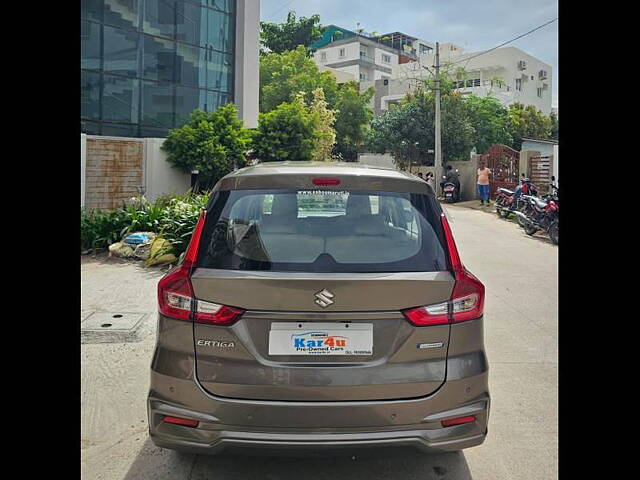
{"type": "Point", "coordinates": [322, 231]}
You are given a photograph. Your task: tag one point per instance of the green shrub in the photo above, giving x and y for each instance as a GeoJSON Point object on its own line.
{"type": "Point", "coordinates": [172, 217]}
{"type": "Point", "coordinates": [99, 229]}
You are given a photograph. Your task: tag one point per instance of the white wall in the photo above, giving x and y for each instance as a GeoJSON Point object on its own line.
{"type": "Point", "coordinates": [247, 65]}
{"type": "Point", "coordinates": [160, 177]}
{"type": "Point", "coordinates": [342, 75]}
{"type": "Point", "coordinates": [376, 159]}
{"type": "Point", "coordinates": [83, 166]}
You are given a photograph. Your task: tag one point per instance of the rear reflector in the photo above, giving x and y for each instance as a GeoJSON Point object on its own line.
{"type": "Point", "coordinates": [175, 292]}
{"type": "Point", "coordinates": [458, 421]}
{"type": "Point", "coordinates": [467, 298]}
{"type": "Point", "coordinates": [326, 181]}
{"type": "Point", "coordinates": [181, 421]}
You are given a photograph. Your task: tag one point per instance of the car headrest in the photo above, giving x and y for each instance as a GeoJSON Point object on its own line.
{"type": "Point", "coordinates": [285, 206]}
{"type": "Point", "coordinates": [358, 205]}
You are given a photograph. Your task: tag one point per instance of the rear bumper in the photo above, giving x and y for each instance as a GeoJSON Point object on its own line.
{"type": "Point", "coordinates": [229, 424]}
{"type": "Point", "coordinates": [223, 440]}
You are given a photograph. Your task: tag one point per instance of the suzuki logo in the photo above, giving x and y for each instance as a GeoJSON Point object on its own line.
{"type": "Point", "coordinates": [324, 298]}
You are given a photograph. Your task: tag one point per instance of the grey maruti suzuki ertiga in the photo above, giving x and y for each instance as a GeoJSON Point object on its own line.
{"type": "Point", "coordinates": [319, 305]}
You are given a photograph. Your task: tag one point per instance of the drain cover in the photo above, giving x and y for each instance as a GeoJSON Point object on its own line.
{"type": "Point", "coordinates": [111, 327]}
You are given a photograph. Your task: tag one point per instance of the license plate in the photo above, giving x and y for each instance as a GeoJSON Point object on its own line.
{"type": "Point", "coordinates": [311, 338]}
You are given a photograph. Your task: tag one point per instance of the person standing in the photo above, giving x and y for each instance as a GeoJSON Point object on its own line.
{"type": "Point", "coordinates": [483, 183]}
{"type": "Point", "coordinates": [431, 180]}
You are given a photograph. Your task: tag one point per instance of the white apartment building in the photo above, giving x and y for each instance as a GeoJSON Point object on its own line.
{"type": "Point", "coordinates": [361, 57]}
{"type": "Point", "coordinates": [509, 74]}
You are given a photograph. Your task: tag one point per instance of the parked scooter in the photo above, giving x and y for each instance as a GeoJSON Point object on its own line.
{"type": "Point", "coordinates": [542, 214]}
{"type": "Point", "coordinates": [450, 190]}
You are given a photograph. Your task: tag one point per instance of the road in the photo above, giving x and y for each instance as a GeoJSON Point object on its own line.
{"type": "Point", "coordinates": [521, 337]}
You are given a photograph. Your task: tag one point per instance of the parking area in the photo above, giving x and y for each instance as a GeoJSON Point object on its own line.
{"type": "Point", "coordinates": [521, 336]}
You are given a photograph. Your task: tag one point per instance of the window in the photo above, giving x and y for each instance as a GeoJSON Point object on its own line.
{"type": "Point", "coordinates": [121, 14]}
{"type": "Point", "coordinates": [157, 105]}
{"type": "Point", "coordinates": [90, 39]}
{"type": "Point", "coordinates": [146, 64]}
{"type": "Point", "coordinates": [341, 52]}
{"type": "Point", "coordinates": [191, 23]}
{"type": "Point", "coordinates": [159, 18]}
{"type": "Point", "coordinates": [469, 83]}
{"type": "Point", "coordinates": [121, 51]}
{"type": "Point", "coordinates": [120, 99]}
{"type": "Point", "coordinates": [90, 95]}
{"type": "Point", "coordinates": [540, 90]}
{"type": "Point", "coordinates": [323, 56]}
{"type": "Point", "coordinates": [519, 84]}
{"type": "Point", "coordinates": [322, 231]}
{"type": "Point", "coordinates": [386, 58]}
{"type": "Point", "coordinates": [363, 76]}
{"type": "Point", "coordinates": [158, 58]}
{"type": "Point", "coordinates": [476, 82]}
{"type": "Point", "coordinates": [425, 50]}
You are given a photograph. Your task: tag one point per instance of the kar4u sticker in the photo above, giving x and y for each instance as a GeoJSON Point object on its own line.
{"type": "Point", "coordinates": [319, 342]}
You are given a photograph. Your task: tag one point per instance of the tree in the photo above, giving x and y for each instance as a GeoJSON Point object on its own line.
{"type": "Point", "coordinates": [352, 120]}
{"type": "Point", "coordinates": [527, 122]}
{"type": "Point", "coordinates": [284, 75]}
{"type": "Point", "coordinates": [281, 37]}
{"type": "Point", "coordinates": [407, 131]}
{"type": "Point", "coordinates": [286, 133]}
{"type": "Point", "coordinates": [325, 135]}
{"type": "Point", "coordinates": [490, 120]}
{"type": "Point", "coordinates": [554, 125]}
{"type": "Point", "coordinates": [211, 142]}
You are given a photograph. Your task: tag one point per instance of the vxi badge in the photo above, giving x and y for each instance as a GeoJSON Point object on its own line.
{"type": "Point", "coordinates": [215, 343]}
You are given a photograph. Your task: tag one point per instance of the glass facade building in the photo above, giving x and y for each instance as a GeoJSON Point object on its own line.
{"type": "Point", "coordinates": [147, 64]}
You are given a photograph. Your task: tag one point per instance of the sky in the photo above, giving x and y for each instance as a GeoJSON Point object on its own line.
{"type": "Point", "coordinates": [473, 25]}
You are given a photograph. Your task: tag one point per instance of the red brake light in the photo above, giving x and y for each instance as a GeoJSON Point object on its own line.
{"type": "Point", "coordinates": [175, 293]}
{"type": "Point", "coordinates": [467, 298]}
{"type": "Point", "coordinates": [181, 421]}
{"type": "Point", "coordinates": [458, 421]}
{"type": "Point", "coordinates": [326, 181]}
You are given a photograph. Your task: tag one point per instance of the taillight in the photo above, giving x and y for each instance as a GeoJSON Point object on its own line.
{"type": "Point", "coordinates": [467, 298]}
{"type": "Point", "coordinates": [175, 292]}
{"type": "Point", "coordinates": [175, 295]}
{"type": "Point", "coordinates": [207, 312]}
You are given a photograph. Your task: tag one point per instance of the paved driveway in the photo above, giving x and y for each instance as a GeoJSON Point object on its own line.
{"type": "Point", "coordinates": [520, 274]}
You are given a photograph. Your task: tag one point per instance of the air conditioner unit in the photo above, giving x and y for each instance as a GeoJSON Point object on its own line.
{"type": "Point", "coordinates": [522, 65]}
{"type": "Point", "coordinates": [542, 75]}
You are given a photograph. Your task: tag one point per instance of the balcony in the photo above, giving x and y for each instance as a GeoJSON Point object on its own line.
{"type": "Point", "coordinates": [367, 59]}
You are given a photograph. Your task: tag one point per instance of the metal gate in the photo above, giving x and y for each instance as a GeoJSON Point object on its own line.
{"type": "Point", "coordinates": [540, 172]}
{"type": "Point", "coordinates": [504, 163]}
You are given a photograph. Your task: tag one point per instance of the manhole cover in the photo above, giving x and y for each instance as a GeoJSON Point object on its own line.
{"type": "Point", "coordinates": [111, 327]}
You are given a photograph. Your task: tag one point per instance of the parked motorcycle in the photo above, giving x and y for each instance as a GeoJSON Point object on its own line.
{"type": "Point", "coordinates": [510, 201]}
{"type": "Point", "coordinates": [542, 214]}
